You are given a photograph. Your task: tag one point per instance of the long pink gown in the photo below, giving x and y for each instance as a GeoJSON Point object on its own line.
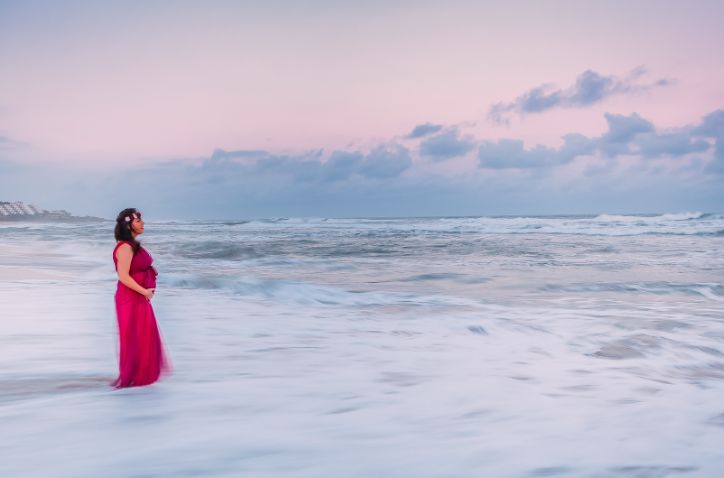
{"type": "Point", "coordinates": [141, 359]}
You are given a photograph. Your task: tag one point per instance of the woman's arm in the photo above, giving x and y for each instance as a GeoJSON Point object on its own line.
{"type": "Point", "coordinates": [124, 255]}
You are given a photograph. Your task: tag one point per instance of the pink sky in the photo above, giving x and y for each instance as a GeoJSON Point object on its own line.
{"type": "Point", "coordinates": [108, 84]}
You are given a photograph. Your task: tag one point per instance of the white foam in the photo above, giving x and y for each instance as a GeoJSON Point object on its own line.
{"type": "Point", "coordinates": [323, 365]}
{"type": "Point", "coordinates": [683, 216]}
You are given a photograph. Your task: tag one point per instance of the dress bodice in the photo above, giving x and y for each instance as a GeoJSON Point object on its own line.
{"type": "Point", "coordinates": [141, 270]}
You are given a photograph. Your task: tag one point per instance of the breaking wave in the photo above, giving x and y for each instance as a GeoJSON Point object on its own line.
{"type": "Point", "coordinates": [683, 216]}
{"type": "Point", "coordinates": [713, 291]}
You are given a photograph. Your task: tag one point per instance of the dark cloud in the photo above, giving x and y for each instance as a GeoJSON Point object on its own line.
{"type": "Point", "coordinates": [446, 145]}
{"type": "Point", "coordinates": [634, 135]}
{"type": "Point", "coordinates": [622, 129]}
{"type": "Point", "coordinates": [538, 99]}
{"type": "Point", "coordinates": [626, 135]}
{"type": "Point", "coordinates": [669, 144]}
{"type": "Point", "coordinates": [221, 155]}
{"type": "Point", "coordinates": [717, 164]}
{"type": "Point", "coordinates": [589, 88]}
{"type": "Point", "coordinates": [258, 183]}
{"type": "Point", "coordinates": [511, 153]}
{"type": "Point", "coordinates": [386, 162]}
{"type": "Point", "coordinates": [712, 126]}
{"type": "Point", "coordinates": [296, 168]}
{"type": "Point", "coordinates": [238, 166]}
{"type": "Point", "coordinates": [575, 145]}
{"type": "Point", "coordinates": [424, 130]}
{"type": "Point", "coordinates": [341, 165]}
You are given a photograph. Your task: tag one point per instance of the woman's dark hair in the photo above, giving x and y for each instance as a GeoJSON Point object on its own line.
{"type": "Point", "coordinates": [123, 228]}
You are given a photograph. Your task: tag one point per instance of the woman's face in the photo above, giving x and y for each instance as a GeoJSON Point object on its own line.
{"type": "Point", "coordinates": [137, 225]}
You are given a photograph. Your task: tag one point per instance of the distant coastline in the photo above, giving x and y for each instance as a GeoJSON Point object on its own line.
{"type": "Point", "coordinates": [19, 211]}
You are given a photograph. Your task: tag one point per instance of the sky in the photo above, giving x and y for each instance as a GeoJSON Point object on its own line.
{"type": "Point", "coordinates": [221, 109]}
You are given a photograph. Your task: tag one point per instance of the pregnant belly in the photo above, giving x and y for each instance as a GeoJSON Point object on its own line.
{"type": "Point", "coordinates": [145, 278]}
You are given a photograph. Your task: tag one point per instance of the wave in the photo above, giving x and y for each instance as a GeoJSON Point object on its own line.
{"type": "Point", "coordinates": [340, 237]}
{"type": "Point", "coordinates": [217, 250]}
{"type": "Point", "coordinates": [433, 276]}
{"type": "Point", "coordinates": [712, 291]}
{"type": "Point", "coordinates": [682, 216]}
{"type": "Point", "coordinates": [305, 293]}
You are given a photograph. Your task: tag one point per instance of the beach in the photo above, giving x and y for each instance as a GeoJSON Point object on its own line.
{"type": "Point", "coordinates": [566, 346]}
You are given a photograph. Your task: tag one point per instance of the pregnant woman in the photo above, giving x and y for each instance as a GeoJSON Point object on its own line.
{"type": "Point", "coordinates": [141, 358]}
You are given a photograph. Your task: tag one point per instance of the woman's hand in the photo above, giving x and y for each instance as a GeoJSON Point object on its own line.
{"type": "Point", "coordinates": [148, 293]}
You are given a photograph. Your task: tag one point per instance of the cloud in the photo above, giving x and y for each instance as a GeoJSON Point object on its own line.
{"type": "Point", "coordinates": [446, 145]}
{"type": "Point", "coordinates": [506, 178]}
{"type": "Point", "coordinates": [634, 135]}
{"type": "Point", "coordinates": [712, 126]}
{"type": "Point", "coordinates": [425, 129]}
{"type": "Point", "coordinates": [575, 145]}
{"type": "Point", "coordinates": [222, 155]}
{"type": "Point", "coordinates": [341, 165]}
{"type": "Point", "coordinates": [7, 144]}
{"type": "Point", "coordinates": [511, 153]}
{"type": "Point", "coordinates": [386, 162]}
{"type": "Point", "coordinates": [589, 88]}
{"type": "Point", "coordinates": [669, 144]}
{"type": "Point", "coordinates": [296, 168]}
{"type": "Point", "coordinates": [716, 166]}
{"type": "Point", "coordinates": [626, 135]}
{"type": "Point", "coordinates": [622, 128]}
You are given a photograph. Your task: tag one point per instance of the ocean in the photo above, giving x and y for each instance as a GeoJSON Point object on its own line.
{"type": "Point", "coordinates": [563, 346]}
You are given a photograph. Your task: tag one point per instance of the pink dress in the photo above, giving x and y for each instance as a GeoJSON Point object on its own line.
{"type": "Point", "coordinates": [141, 358]}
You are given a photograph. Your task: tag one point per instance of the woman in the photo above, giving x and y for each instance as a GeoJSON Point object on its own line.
{"type": "Point", "coordinates": [141, 359]}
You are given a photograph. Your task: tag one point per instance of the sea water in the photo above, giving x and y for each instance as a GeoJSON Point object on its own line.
{"type": "Point", "coordinates": [571, 346]}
